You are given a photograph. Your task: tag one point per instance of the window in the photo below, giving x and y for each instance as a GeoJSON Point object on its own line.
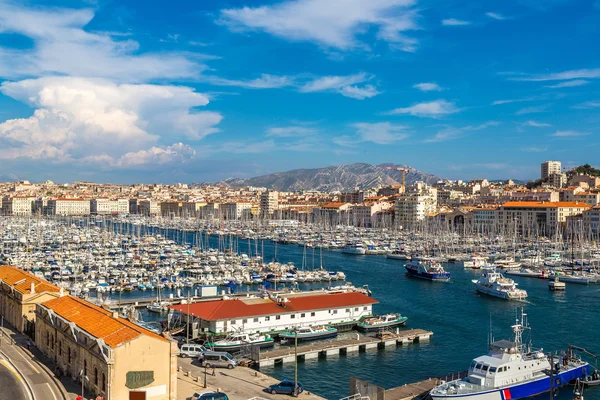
{"type": "Point", "coordinates": [293, 316]}
{"type": "Point", "coordinates": [492, 370]}
{"type": "Point", "coordinates": [233, 322]}
{"type": "Point", "coordinates": [84, 367]}
{"type": "Point", "coordinates": [255, 319]}
{"type": "Point", "coordinates": [356, 309]}
{"type": "Point", "coordinates": [478, 366]}
{"type": "Point", "coordinates": [244, 321]}
{"type": "Point", "coordinates": [364, 308]}
{"type": "Point", "coordinates": [312, 314]}
{"type": "Point", "coordinates": [103, 382]}
{"type": "Point", "coordinates": [60, 348]}
{"type": "Point", "coordinates": [302, 315]}
{"type": "Point", "coordinates": [47, 339]}
{"type": "Point", "coordinates": [278, 317]}
{"type": "Point", "coordinates": [95, 376]}
{"type": "Point", "coordinates": [69, 355]}
{"type": "Point", "coordinates": [347, 310]}
{"type": "Point", "coordinates": [485, 367]}
{"type": "Point", "coordinates": [334, 311]}
{"type": "Point", "coordinates": [268, 318]}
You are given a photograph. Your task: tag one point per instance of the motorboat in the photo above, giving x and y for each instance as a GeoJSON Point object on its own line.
{"type": "Point", "coordinates": [428, 269]}
{"type": "Point", "coordinates": [475, 262]}
{"type": "Point", "coordinates": [386, 321]}
{"type": "Point", "coordinates": [354, 248]}
{"type": "Point", "coordinates": [398, 255]}
{"type": "Point", "coordinates": [309, 333]}
{"type": "Point", "coordinates": [556, 284]}
{"type": "Point", "coordinates": [495, 284]}
{"type": "Point", "coordinates": [513, 370]}
{"type": "Point", "coordinates": [237, 341]}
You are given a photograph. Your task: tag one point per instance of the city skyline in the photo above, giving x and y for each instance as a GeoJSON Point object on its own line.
{"type": "Point", "coordinates": [200, 92]}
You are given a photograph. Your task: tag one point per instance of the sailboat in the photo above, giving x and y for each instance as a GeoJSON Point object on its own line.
{"type": "Point", "coordinates": [158, 306]}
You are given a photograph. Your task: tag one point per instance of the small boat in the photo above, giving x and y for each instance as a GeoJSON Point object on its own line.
{"type": "Point", "coordinates": [236, 341]}
{"type": "Point", "coordinates": [495, 284]}
{"type": "Point", "coordinates": [354, 248]}
{"type": "Point", "coordinates": [556, 284]}
{"type": "Point", "coordinates": [526, 272]}
{"type": "Point", "coordinates": [475, 262]}
{"type": "Point", "coordinates": [305, 334]}
{"type": "Point", "coordinates": [591, 380]}
{"type": "Point", "coordinates": [381, 322]}
{"type": "Point", "coordinates": [398, 255]}
{"type": "Point", "coordinates": [158, 306]}
{"type": "Point", "coordinates": [428, 269]}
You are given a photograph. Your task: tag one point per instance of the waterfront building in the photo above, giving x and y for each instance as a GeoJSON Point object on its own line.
{"type": "Point", "coordinates": [269, 201]}
{"type": "Point", "coordinates": [114, 356]}
{"type": "Point", "coordinates": [331, 212]}
{"type": "Point", "coordinates": [550, 167]}
{"type": "Point", "coordinates": [17, 205]}
{"type": "Point", "coordinates": [148, 207]}
{"type": "Point", "coordinates": [543, 217]}
{"type": "Point", "coordinates": [484, 218]}
{"type": "Point", "coordinates": [279, 312]}
{"type": "Point", "coordinates": [20, 291]}
{"type": "Point", "coordinates": [413, 207]}
{"type": "Point", "coordinates": [68, 206]}
{"type": "Point", "coordinates": [591, 220]}
{"type": "Point", "coordinates": [235, 210]}
{"type": "Point", "coordinates": [364, 214]}
{"type": "Point", "coordinates": [108, 206]}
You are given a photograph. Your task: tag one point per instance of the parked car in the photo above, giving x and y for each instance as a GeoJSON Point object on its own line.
{"type": "Point", "coordinates": [217, 359]}
{"type": "Point", "coordinates": [209, 395]}
{"type": "Point", "coordinates": [286, 386]}
{"type": "Point", "coordinates": [191, 350]}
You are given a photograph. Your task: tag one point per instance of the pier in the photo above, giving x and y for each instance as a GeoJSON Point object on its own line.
{"type": "Point", "coordinates": [337, 347]}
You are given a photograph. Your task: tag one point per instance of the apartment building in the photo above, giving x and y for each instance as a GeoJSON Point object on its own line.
{"type": "Point", "coordinates": [116, 358]}
{"type": "Point", "coordinates": [68, 206]}
{"type": "Point", "coordinates": [550, 167]}
{"type": "Point", "coordinates": [17, 205]}
{"type": "Point", "coordinates": [543, 217]}
{"type": "Point", "coordinates": [591, 220]}
{"type": "Point", "coordinates": [413, 208]}
{"type": "Point", "coordinates": [109, 206]}
{"type": "Point", "coordinates": [235, 210]}
{"type": "Point", "coordinates": [269, 202]}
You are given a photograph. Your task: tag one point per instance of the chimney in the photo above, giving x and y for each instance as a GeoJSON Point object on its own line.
{"type": "Point", "coordinates": [115, 314]}
{"type": "Point", "coordinates": [32, 288]}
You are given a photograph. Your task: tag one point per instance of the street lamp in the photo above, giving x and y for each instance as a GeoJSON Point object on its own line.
{"type": "Point", "coordinates": [83, 379]}
{"type": "Point", "coordinates": [295, 362]}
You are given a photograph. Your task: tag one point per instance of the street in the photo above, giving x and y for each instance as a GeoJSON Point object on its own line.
{"type": "Point", "coordinates": [12, 386]}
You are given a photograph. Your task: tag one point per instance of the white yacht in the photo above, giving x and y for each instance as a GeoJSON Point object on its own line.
{"type": "Point", "coordinates": [495, 284]}
{"type": "Point", "coordinates": [354, 248]}
{"type": "Point", "coordinates": [475, 262]}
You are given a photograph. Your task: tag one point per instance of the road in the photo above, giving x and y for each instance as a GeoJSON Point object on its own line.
{"type": "Point", "coordinates": [13, 387]}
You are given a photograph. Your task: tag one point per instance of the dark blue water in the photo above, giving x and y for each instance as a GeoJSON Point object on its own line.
{"type": "Point", "coordinates": [459, 318]}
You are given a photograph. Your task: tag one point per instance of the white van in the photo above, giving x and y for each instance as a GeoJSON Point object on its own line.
{"type": "Point", "coordinates": [191, 350]}
{"type": "Point", "coordinates": [218, 359]}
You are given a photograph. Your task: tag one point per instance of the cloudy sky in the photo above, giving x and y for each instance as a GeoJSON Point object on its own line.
{"type": "Point", "coordinates": [128, 91]}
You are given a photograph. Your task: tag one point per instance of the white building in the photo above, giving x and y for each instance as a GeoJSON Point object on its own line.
{"type": "Point", "coordinates": [18, 205]}
{"type": "Point", "coordinates": [543, 217]}
{"type": "Point", "coordinates": [66, 206]}
{"type": "Point", "coordinates": [275, 314]}
{"type": "Point", "coordinates": [235, 210]}
{"type": "Point", "coordinates": [269, 201]}
{"type": "Point", "coordinates": [591, 220]}
{"type": "Point", "coordinates": [108, 206]}
{"type": "Point", "coordinates": [412, 208]}
{"type": "Point", "coordinates": [549, 168]}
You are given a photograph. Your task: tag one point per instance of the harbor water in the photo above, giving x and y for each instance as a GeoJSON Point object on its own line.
{"type": "Point", "coordinates": [459, 317]}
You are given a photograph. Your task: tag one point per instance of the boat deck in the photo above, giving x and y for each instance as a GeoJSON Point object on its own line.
{"type": "Point", "coordinates": [343, 346]}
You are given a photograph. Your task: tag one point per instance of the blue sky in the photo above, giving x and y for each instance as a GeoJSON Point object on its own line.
{"type": "Point", "coordinates": [127, 91]}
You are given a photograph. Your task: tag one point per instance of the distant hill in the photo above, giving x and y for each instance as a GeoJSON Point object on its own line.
{"type": "Point", "coordinates": [345, 177]}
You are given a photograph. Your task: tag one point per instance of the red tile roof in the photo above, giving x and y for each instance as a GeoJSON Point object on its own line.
{"type": "Point", "coordinates": [22, 280]}
{"type": "Point", "coordinates": [238, 308]}
{"type": "Point", "coordinates": [97, 321]}
{"type": "Point", "coordinates": [545, 204]}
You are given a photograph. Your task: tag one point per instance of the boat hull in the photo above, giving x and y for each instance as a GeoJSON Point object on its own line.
{"type": "Point", "coordinates": [237, 347]}
{"type": "Point", "coordinates": [308, 337]}
{"type": "Point", "coordinates": [356, 252]}
{"type": "Point", "coordinates": [442, 277]}
{"type": "Point", "coordinates": [386, 325]}
{"type": "Point", "coordinates": [495, 293]}
{"type": "Point", "coordinates": [523, 390]}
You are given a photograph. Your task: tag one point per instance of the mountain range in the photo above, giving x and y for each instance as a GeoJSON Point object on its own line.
{"type": "Point", "coordinates": [334, 178]}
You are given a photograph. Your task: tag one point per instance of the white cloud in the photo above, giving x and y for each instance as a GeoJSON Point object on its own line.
{"type": "Point", "coordinates": [495, 15]}
{"type": "Point", "coordinates": [62, 46]}
{"type": "Point", "coordinates": [332, 24]}
{"type": "Point", "coordinates": [536, 124]}
{"type": "Point", "coordinates": [428, 87]}
{"type": "Point", "coordinates": [455, 22]}
{"type": "Point", "coordinates": [378, 133]}
{"type": "Point", "coordinates": [345, 85]}
{"type": "Point", "coordinates": [175, 153]}
{"type": "Point", "coordinates": [561, 76]}
{"type": "Point", "coordinates": [535, 149]}
{"type": "Point", "coordinates": [587, 105]}
{"type": "Point", "coordinates": [533, 110]}
{"type": "Point", "coordinates": [266, 81]}
{"type": "Point", "coordinates": [78, 118]}
{"type": "Point", "coordinates": [509, 101]}
{"type": "Point", "coordinates": [452, 133]}
{"type": "Point", "coordinates": [431, 109]}
{"type": "Point", "coordinates": [573, 83]}
{"type": "Point", "coordinates": [290, 131]}
{"type": "Point", "coordinates": [569, 133]}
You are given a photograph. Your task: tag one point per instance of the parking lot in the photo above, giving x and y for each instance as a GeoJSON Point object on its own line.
{"type": "Point", "coordinates": [240, 383]}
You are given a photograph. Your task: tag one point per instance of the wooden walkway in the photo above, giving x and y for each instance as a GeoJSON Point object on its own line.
{"type": "Point", "coordinates": [419, 389]}
{"type": "Point", "coordinates": [329, 348]}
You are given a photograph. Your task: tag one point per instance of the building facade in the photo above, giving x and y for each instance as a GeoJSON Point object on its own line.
{"type": "Point", "coordinates": [109, 206]}
{"type": "Point", "coordinates": [269, 202]}
{"type": "Point", "coordinates": [115, 356]}
{"type": "Point", "coordinates": [66, 206]}
{"type": "Point", "coordinates": [550, 167]}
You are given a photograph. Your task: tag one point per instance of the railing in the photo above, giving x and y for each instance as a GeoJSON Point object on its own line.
{"type": "Point", "coordinates": [357, 396]}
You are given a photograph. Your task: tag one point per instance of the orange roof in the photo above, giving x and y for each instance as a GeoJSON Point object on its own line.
{"type": "Point", "coordinates": [238, 308]}
{"type": "Point", "coordinates": [335, 204]}
{"type": "Point", "coordinates": [545, 204]}
{"type": "Point", "coordinates": [22, 280]}
{"type": "Point", "coordinates": [97, 321]}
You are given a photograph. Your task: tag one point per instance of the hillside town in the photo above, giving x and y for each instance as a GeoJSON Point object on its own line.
{"type": "Point", "coordinates": [557, 200]}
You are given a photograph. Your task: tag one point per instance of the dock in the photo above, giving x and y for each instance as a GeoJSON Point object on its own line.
{"type": "Point", "coordinates": [344, 346]}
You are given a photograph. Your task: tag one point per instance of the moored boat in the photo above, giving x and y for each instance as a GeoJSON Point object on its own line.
{"type": "Point", "coordinates": [512, 370]}
{"type": "Point", "coordinates": [381, 322]}
{"type": "Point", "coordinates": [495, 284]}
{"type": "Point", "coordinates": [305, 334]}
{"type": "Point", "coordinates": [236, 341]}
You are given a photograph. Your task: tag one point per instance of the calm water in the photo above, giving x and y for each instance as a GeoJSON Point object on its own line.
{"type": "Point", "coordinates": [459, 318]}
